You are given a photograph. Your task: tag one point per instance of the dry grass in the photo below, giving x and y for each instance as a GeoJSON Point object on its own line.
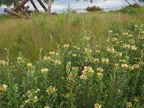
{"type": "Point", "coordinates": [46, 32]}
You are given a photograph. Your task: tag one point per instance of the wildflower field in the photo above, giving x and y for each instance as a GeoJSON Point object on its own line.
{"type": "Point", "coordinates": [87, 71]}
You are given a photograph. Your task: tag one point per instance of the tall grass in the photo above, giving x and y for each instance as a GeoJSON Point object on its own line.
{"type": "Point", "coordinates": [52, 32]}
{"type": "Point", "coordinates": [85, 73]}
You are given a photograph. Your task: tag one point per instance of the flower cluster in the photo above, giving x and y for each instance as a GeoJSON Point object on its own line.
{"type": "Point", "coordinates": [72, 75]}
{"type": "Point", "coordinates": [97, 105]}
{"type": "Point", "coordinates": [30, 66]}
{"type": "Point", "coordinates": [126, 46]}
{"type": "Point", "coordinates": [30, 73]}
{"type": "Point", "coordinates": [128, 105]}
{"type": "Point", "coordinates": [46, 107]}
{"type": "Point", "coordinates": [124, 66]}
{"type": "Point", "coordinates": [76, 47]}
{"type": "Point", "coordinates": [49, 59]}
{"type": "Point", "coordinates": [135, 66]}
{"type": "Point", "coordinates": [88, 71]}
{"type": "Point", "coordinates": [21, 106]}
{"type": "Point", "coordinates": [100, 69]}
{"type": "Point", "coordinates": [99, 73]}
{"type": "Point", "coordinates": [46, 58]}
{"type": "Point", "coordinates": [111, 50]}
{"type": "Point", "coordinates": [44, 70]}
{"type": "Point", "coordinates": [96, 60]}
{"type": "Point", "coordinates": [105, 60]}
{"type": "Point", "coordinates": [133, 48]}
{"type": "Point", "coordinates": [54, 53]}
{"type": "Point", "coordinates": [114, 39]}
{"type": "Point", "coordinates": [20, 60]}
{"type": "Point", "coordinates": [87, 38]}
{"type": "Point", "coordinates": [87, 50]}
{"type": "Point", "coordinates": [110, 31]}
{"type": "Point", "coordinates": [32, 98]}
{"type": "Point", "coordinates": [66, 45]}
{"type": "Point", "coordinates": [51, 90]}
{"type": "Point", "coordinates": [125, 33]}
{"type": "Point", "coordinates": [119, 54]}
{"type": "Point", "coordinates": [57, 62]}
{"type": "Point", "coordinates": [2, 62]}
{"type": "Point", "coordinates": [3, 87]}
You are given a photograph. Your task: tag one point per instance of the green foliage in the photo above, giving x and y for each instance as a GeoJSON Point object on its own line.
{"type": "Point", "coordinates": [132, 10]}
{"type": "Point", "coordinates": [4, 16]}
{"type": "Point", "coordinates": [76, 20]}
{"type": "Point", "coordinates": [93, 8]}
{"type": "Point", "coordinates": [82, 75]}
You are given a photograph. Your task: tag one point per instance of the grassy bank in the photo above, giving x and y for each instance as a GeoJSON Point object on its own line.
{"type": "Point", "coordinates": [72, 61]}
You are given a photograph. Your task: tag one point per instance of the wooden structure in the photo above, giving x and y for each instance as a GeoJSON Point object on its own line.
{"type": "Point", "coordinates": [20, 10]}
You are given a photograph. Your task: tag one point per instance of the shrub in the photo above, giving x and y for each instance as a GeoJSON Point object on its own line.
{"type": "Point", "coordinates": [81, 75]}
{"type": "Point", "coordinates": [93, 8]}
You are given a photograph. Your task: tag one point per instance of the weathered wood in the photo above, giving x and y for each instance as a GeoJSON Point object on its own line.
{"type": "Point", "coordinates": [21, 5]}
{"type": "Point", "coordinates": [26, 8]}
{"type": "Point", "coordinates": [12, 12]}
{"type": "Point", "coordinates": [16, 4]}
{"type": "Point", "coordinates": [49, 6]}
{"type": "Point", "coordinates": [41, 3]}
{"type": "Point", "coordinates": [24, 11]}
{"type": "Point", "coordinates": [20, 8]}
{"type": "Point", "coordinates": [34, 5]}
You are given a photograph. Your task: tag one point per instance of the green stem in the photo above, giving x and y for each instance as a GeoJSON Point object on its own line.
{"type": "Point", "coordinates": [87, 93]}
{"type": "Point", "coordinates": [0, 99]}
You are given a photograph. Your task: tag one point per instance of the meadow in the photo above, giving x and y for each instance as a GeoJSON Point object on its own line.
{"type": "Point", "coordinates": [91, 60]}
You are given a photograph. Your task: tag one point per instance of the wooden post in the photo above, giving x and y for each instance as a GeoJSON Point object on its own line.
{"type": "Point", "coordinates": [15, 2]}
{"type": "Point", "coordinates": [24, 11]}
{"type": "Point", "coordinates": [20, 6]}
{"type": "Point", "coordinates": [49, 6]}
{"type": "Point", "coordinates": [41, 3]}
{"type": "Point", "coordinates": [26, 8]}
{"type": "Point", "coordinates": [12, 12]}
{"type": "Point", "coordinates": [34, 5]}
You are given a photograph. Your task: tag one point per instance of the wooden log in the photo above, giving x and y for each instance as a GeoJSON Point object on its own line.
{"type": "Point", "coordinates": [21, 5]}
{"type": "Point", "coordinates": [34, 5]}
{"type": "Point", "coordinates": [12, 12]}
{"type": "Point", "coordinates": [16, 4]}
{"type": "Point", "coordinates": [41, 3]}
{"type": "Point", "coordinates": [26, 8]}
{"type": "Point", "coordinates": [53, 13]}
{"type": "Point", "coordinates": [24, 11]}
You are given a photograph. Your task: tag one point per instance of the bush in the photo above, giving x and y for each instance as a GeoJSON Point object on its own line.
{"type": "Point", "coordinates": [135, 8]}
{"type": "Point", "coordinates": [93, 8]}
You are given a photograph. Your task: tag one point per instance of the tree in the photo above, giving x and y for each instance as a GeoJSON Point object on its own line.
{"type": "Point", "coordinates": [141, 0]}
{"type": "Point", "coordinates": [49, 6]}
{"type": "Point", "coordinates": [128, 2]}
